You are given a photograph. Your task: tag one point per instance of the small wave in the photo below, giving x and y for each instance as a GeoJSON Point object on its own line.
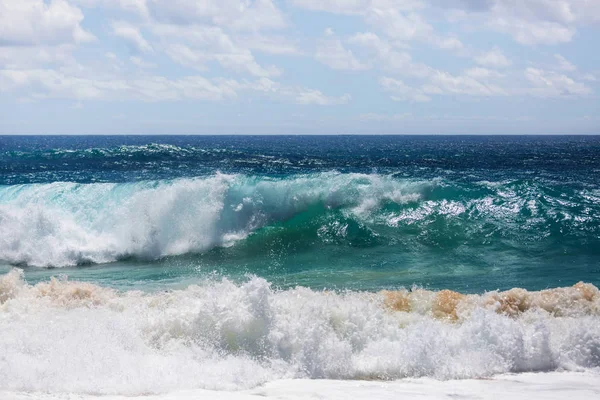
{"type": "Point", "coordinates": [85, 338]}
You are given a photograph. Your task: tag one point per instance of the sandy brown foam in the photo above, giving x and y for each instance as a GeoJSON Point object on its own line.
{"type": "Point", "coordinates": [579, 299]}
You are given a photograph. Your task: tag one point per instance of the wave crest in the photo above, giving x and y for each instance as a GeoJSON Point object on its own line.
{"type": "Point", "coordinates": [63, 224]}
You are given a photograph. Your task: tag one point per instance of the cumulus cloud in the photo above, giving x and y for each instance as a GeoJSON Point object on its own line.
{"type": "Point", "coordinates": [482, 73]}
{"type": "Point", "coordinates": [462, 85]}
{"type": "Point", "coordinates": [332, 53]}
{"type": "Point", "coordinates": [136, 6]}
{"type": "Point", "coordinates": [390, 58]}
{"type": "Point", "coordinates": [55, 84]}
{"type": "Point", "coordinates": [564, 64]}
{"type": "Point", "coordinates": [131, 34]}
{"type": "Point", "coordinates": [269, 44]}
{"type": "Point", "coordinates": [18, 57]}
{"type": "Point", "coordinates": [554, 84]}
{"type": "Point", "coordinates": [401, 91]}
{"type": "Point", "coordinates": [35, 22]}
{"type": "Point", "coordinates": [313, 96]}
{"type": "Point", "coordinates": [248, 15]}
{"type": "Point", "coordinates": [224, 48]}
{"type": "Point", "coordinates": [399, 25]}
{"type": "Point", "coordinates": [334, 6]}
{"type": "Point", "coordinates": [140, 62]}
{"type": "Point", "coordinates": [494, 58]}
{"type": "Point", "coordinates": [195, 45]}
{"type": "Point", "coordinates": [529, 22]}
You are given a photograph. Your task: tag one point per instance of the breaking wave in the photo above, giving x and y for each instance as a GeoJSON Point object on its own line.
{"type": "Point", "coordinates": [64, 224]}
{"type": "Point", "coordinates": [85, 338]}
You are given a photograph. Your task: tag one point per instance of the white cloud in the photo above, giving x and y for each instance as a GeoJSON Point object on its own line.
{"type": "Point", "coordinates": [194, 45]}
{"type": "Point", "coordinates": [398, 25]}
{"type": "Point", "coordinates": [54, 84]}
{"type": "Point", "coordinates": [553, 84]}
{"type": "Point", "coordinates": [351, 7]}
{"type": "Point", "coordinates": [483, 82]}
{"type": "Point", "coordinates": [38, 57]}
{"type": "Point", "coordinates": [279, 45]}
{"type": "Point", "coordinates": [529, 22]}
{"type": "Point", "coordinates": [132, 36]}
{"type": "Point", "coordinates": [184, 55]}
{"type": "Point", "coordinates": [477, 82]}
{"type": "Point", "coordinates": [18, 57]}
{"type": "Point", "coordinates": [564, 64]}
{"type": "Point", "coordinates": [494, 58]}
{"type": "Point", "coordinates": [397, 19]}
{"type": "Point", "coordinates": [447, 43]}
{"type": "Point", "coordinates": [402, 92]}
{"type": "Point", "coordinates": [40, 84]}
{"type": "Point", "coordinates": [35, 22]}
{"type": "Point", "coordinates": [141, 62]}
{"type": "Point", "coordinates": [482, 73]}
{"type": "Point", "coordinates": [384, 117]}
{"type": "Point", "coordinates": [332, 53]}
{"type": "Point", "coordinates": [534, 32]}
{"type": "Point", "coordinates": [463, 85]}
{"type": "Point", "coordinates": [334, 6]}
{"type": "Point", "coordinates": [135, 6]}
{"type": "Point", "coordinates": [392, 60]}
{"type": "Point", "coordinates": [241, 15]}
{"type": "Point", "coordinates": [313, 96]}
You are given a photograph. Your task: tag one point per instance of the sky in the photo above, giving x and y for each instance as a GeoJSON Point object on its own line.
{"type": "Point", "coordinates": [299, 66]}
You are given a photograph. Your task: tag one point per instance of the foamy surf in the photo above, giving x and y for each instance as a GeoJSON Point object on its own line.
{"type": "Point", "coordinates": [527, 386]}
{"type": "Point", "coordinates": [75, 337]}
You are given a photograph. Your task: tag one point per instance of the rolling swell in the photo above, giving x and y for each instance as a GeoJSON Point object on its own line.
{"type": "Point", "coordinates": [63, 224]}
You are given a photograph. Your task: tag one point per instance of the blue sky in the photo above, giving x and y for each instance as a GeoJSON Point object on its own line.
{"type": "Point", "coordinates": [299, 66]}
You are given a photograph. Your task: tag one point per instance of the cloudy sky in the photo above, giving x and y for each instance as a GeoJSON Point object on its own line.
{"type": "Point", "coordinates": [299, 66]}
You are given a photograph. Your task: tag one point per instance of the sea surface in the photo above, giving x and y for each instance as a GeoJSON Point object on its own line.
{"type": "Point", "coordinates": [149, 264]}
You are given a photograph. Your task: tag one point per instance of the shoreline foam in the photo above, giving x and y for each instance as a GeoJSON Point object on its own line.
{"type": "Point", "coordinates": [526, 386]}
{"type": "Point", "coordinates": [77, 337]}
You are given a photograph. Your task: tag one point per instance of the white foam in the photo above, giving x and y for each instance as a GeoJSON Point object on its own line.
{"type": "Point", "coordinates": [73, 337]}
{"type": "Point", "coordinates": [549, 386]}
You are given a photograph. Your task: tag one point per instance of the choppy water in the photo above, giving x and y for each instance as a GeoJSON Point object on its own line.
{"type": "Point", "coordinates": [195, 247]}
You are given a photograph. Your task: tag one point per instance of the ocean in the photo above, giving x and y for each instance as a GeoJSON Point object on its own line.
{"type": "Point", "coordinates": [149, 265]}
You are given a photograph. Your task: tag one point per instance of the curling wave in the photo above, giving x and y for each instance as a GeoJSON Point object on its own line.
{"type": "Point", "coordinates": [63, 224]}
{"type": "Point", "coordinates": [84, 338]}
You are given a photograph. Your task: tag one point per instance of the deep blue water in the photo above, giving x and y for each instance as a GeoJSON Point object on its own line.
{"type": "Point", "coordinates": [469, 213]}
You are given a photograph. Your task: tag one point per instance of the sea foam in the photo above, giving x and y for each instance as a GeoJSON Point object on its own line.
{"type": "Point", "coordinates": [63, 336]}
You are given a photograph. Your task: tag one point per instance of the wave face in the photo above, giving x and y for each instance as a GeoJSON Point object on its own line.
{"type": "Point", "coordinates": [84, 338]}
{"type": "Point", "coordinates": [65, 224]}
{"type": "Point", "coordinates": [62, 224]}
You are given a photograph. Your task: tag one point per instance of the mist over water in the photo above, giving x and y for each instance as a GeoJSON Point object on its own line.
{"type": "Point", "coordinates": [234, 261]}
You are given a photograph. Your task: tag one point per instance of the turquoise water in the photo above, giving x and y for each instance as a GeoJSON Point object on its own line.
{"type": "Point", "coordinates": [137, 265]}
{"type": "Point", "coordinates": [362, 213]}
